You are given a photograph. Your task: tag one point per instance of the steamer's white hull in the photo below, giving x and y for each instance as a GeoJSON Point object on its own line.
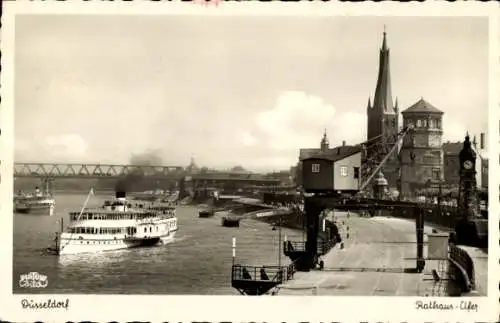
{"type": "Point", "coordinates": [35, 209]}
{"type": "Point", "coordinates": [76, 245]}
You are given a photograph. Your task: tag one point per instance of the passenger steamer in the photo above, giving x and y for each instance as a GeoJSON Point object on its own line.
{"type": "Point", "coordinates": [117, 225]}
{"type": "Point", "coordinates": [36, 203]}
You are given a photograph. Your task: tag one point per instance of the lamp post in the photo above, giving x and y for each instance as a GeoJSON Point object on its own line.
{"type": "Point", "coordinates": [279, 240]}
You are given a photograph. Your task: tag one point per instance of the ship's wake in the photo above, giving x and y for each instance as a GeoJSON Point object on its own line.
{"type": "Point", "coordinates": [179, 239]}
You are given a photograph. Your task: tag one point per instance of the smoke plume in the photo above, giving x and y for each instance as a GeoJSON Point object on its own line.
{"type": "Point", "coordinates": [136, 176]}
{"type": "Point", "coordinates": [149, 158]}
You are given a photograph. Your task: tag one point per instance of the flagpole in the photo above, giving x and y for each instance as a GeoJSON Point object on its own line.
{"type": "Point", "coordinates": [86, 201]}
{"type": "Point", "coordinates": [60, 246]}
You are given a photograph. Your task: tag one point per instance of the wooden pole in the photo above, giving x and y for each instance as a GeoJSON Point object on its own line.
{"type": "Point", "coordinates": [234, 249]}
{"type": "Point", "coordinates": [279, 244]}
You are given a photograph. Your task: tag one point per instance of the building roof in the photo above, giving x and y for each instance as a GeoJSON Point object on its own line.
{"type": "Point", "coordinates": [452, 148]}
{"type": "Point", "coordinates": [334, 154]}
{"type": "Point", "coordinates": [422, 106]}
{"type": "Point", "coordinates": [308, 152]}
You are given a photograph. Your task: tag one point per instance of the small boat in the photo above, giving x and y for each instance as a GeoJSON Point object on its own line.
{"type": "Point", "coordinates": [150, 196]}
{"type": "Point", "coordinates": [206, 212]}
{"type": "Point", "coordinates": [230, 221]}
{"type": "Point", "coordinates": [36, 203]}
{"type": "Point", "coordinates": [118, 224]}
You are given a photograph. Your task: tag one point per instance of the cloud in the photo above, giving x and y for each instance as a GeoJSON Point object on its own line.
{"type": "Point", "coordinates": [67, 145]}
{"type": "Point", "coordinates": [298, 120]}
{"type": "Point", "coordinates": [295, 121]}
{"type": "Point", "coordinates": [150, 157]}
{"type": "Point", "coordinates": [53, 148]}
{"type": "Point", "coordinates": [247, 139]}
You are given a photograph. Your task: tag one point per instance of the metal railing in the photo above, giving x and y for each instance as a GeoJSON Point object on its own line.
{"type": "Point", "coordinates": [276, 274]}
{"type": "Point", "coordinates": [300, 246]}
{"type": "Point", "coordinates": [289, 246]}
{"type": "Point", "coordinates": [461, 259]}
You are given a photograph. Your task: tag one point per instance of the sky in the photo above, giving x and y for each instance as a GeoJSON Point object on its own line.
{"type": "Point", "coordinates": [228, 91]}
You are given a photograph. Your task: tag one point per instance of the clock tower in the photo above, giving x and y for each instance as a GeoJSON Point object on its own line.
{"type": "Point", "coordinates": [470, 227]}
{"type": "Point", "coordinates": [467, 199]}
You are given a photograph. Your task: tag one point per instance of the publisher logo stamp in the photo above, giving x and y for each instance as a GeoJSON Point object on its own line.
{"type": "Point", "coordinates": [33, 280]}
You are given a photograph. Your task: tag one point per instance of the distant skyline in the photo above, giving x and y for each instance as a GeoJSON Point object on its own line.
{"type": "Point", "coordinates": [228, 91]}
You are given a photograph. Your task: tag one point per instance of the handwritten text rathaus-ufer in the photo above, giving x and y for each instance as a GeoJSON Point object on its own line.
{"type": "Point", "coordinates": [434, 305]}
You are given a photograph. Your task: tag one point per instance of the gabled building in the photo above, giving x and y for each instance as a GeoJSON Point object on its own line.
{"type": "Point", "coordinates": [325, 150]}
{"type": "Point", "coordinates": [336, 170]}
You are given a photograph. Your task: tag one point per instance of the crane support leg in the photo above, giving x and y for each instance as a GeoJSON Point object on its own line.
{"type": "Point", "coordinates": [419, 226]}
{"type": "Point", "coordinates": [313, 211]}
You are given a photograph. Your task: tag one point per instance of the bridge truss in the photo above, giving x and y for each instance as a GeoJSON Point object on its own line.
{"type": "Point", "coordinates": [94, 171]}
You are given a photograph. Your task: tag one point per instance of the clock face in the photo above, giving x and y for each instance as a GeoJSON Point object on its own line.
{"type": "Point", "coordinates": [467, 164]}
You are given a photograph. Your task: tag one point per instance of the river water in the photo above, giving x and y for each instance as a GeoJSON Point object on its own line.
{"type": "Point", "coordinates": [197, 262]}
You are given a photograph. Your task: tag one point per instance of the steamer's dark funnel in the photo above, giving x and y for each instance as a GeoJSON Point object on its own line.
{"type": "Point", "coordinates": [121, 186]}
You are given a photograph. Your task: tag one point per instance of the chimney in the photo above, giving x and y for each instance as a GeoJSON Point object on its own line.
{"type": "Point", "coordinates": [481, 141]}
{"type": "Point", "coordinates": [343, 143]}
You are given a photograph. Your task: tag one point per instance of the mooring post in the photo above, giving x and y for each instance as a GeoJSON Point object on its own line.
{"type": "Point", "coordinates": [379, 190]}
{"type": "Point", "coordinates": [312, 210]}
{"type": "Point", "coordinates": [418, 212]}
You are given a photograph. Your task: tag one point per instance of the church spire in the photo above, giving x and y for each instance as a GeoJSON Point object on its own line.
{"type": "Point", "coordinates": [325, 144]}
{"type": "Point", "coordinates": [383, 94]}
{"type": "Point", "coordinates": [384, 42]}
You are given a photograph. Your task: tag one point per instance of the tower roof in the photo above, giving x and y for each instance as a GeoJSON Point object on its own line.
{"type": "Point", "coordinates": [467, 151]}
{"type": "Point", "coordinates": [422, 106]}
{"type": "Point", "coordinates": [325, 144]}
{"type": "Point", "coordinates": [383, 93]}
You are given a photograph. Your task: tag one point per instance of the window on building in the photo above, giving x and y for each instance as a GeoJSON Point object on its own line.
{"type": "Point", "coordinates": [419, 123]}
{"type": "Point", "coordinates": [356, 172]}
{"type": "Point", "coordinates": [424, 123]}
{"type": "Point", "coordinates": [431, 123]}
{"type": "Point", "coordinates": [315, 168]}
{"type": "Point", "coordinates": [343, 171]}
{"type": "Point", "coordinates": [436, 174]}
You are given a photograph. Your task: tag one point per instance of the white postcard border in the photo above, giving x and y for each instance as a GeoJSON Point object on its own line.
{"type": "Point", "coordinates": [231, 308]}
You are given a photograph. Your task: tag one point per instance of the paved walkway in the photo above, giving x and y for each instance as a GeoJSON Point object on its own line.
{"type": "Point", "coordinates": [375, 261]}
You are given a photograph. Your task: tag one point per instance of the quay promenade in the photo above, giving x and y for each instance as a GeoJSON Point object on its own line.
{"type": "Point", "coordinates": [377, 259]}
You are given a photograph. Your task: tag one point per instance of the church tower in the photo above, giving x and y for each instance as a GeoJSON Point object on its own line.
{"type": "Point", "coordinates": [421, 153]}
{"type": "Point", "coordinates": [383, 115]}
